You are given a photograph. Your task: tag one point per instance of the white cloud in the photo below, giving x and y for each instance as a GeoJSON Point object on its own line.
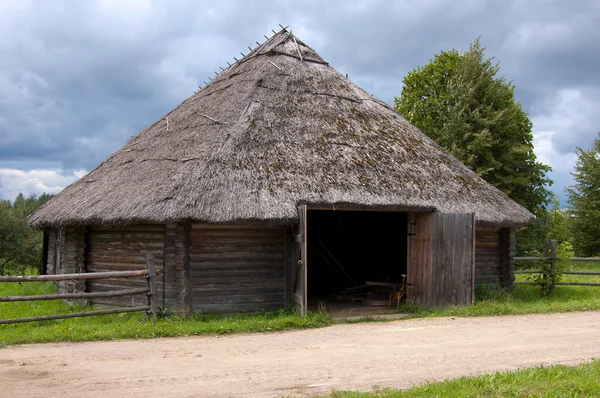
{"type": "Point", "coordinates": [14, 181]}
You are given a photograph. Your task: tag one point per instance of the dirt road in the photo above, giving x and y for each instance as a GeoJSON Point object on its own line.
{"type": "Point", "coordinates": [308, 362]}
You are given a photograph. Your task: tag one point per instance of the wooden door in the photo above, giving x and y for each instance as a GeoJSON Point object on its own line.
{"type": "Point", "coordinates": [299, 295]}
{"type": "Point", "coordinates": [454, 259]}
{"type": "Point", "coordinates": [442, 259]}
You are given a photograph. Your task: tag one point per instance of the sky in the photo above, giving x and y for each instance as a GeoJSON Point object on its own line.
{"type": "Point", "coordinates": [79, 78]}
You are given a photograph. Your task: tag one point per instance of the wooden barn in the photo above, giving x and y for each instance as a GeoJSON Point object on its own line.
{"type": "Point", "coordinates": [277, 183]}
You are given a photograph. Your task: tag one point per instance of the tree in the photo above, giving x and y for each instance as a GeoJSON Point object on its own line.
{"type": "Point", "coordinates": [584, 198]}
{"type": "Point", "coordinates": [553, 224]}
{"type": "Point", "coordinates": [20, 246]}
{"type": "Point", "coordinates": [458, 101]}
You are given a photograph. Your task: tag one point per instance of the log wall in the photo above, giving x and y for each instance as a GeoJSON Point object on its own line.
{"type": "Point", "coordinates": [72, 250]}
{"type": "Point", "coordinates": [488, 255]}
{"type": "Point", "coordinates": [121, 249]}
{"type": "Point", "coordinates": [174, 276]}
{"type": "Point", "coordinates": [234, 269]}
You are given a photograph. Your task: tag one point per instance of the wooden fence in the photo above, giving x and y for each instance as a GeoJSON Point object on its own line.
{"type": "Point", "coordinates": [551, 256]}
{"type": "Point", "coordinates": [149, 273]}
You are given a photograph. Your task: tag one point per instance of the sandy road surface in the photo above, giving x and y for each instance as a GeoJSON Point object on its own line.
{"type": "Point", "coordinates": [307, 362]}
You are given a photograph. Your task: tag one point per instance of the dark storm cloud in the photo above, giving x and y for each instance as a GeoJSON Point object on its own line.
{"type": "Point", "coordinates": [79, 78]}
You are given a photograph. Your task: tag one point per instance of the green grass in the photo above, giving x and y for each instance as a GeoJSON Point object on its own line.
{"type": "Point", "coordinates": [552, 381]}
{"type": "Point", "coordinates": [526, 299]}
{"type": "Point", "coordinates": [490, 302]}
{"type": "Point", "coordinates": [129, 325]}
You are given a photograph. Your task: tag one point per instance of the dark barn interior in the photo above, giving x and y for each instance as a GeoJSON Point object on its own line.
{"type": "Point", "coordinates": [348, 248]}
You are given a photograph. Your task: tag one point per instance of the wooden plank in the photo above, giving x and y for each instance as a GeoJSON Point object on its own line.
{"type": "Point", "coordinates": [73, 315]}
{"type": "Point", "coordinates": [66, 277]}
{"type": "Point", "coordinates": [80, 295]}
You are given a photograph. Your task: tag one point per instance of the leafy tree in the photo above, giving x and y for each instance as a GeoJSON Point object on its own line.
{"type": "Point", "coordinates": [20, 246]}
{"type": "Point", "coordinates": [458, 100]}
{"type": "Point", "coordinates": [584, 198]}
{"type": "Point", "coordinates": [550, 224]}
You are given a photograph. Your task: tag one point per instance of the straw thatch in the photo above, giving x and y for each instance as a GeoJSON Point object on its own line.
{"type": "Point", "coordinates": [278, 128]}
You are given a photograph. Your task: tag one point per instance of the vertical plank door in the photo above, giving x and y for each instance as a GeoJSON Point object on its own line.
{"type": "Point", "coordinates": [453, 267]}
{"type": "Point", "coordinates": [299, 295]}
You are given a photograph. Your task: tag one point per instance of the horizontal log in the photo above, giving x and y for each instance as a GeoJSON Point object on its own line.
{"type": "Point", "coordinates": [585, 259]}
{"type": "Point", "coordinates": [114, 284]}
{"type": "Point", "coordinates": [74, 315]}
{"type": "Point", "coordinates": [68, 296]}
{"type": "Point", "coordinates": [236, 254]}
{"type": "Point", "coordinates": [125, 228]}
{"type": "Point", "coordinates": [487, 229]}
{"type": "Point", "coordinates": [529, 271]}
{"type": "Point", "coordinates": [578, 283]}
{"type": "Point", "coordinates": [525, 283]}
{"type": "Point", "coordinates": [247, 292]}
{"type": "Point", "coordinates": [226, 282]}
{"type": "Point", "coordinates": [222, 226]}
{"type": "Point", "coordinates": [200, 240]}
{"type": "Point", "coordinates": [531, 258]}
{"type": "Point", "coordinates": [238, 232]}
{"type": "Point", "coordinates": [105, 267]}
{"type": "Point", "coordinates": [234, 246]}
{"type": "Point", "coordinates": [68, 277]}
{"type": "Point", "coordinates": [245, 307]}
{"type": "Point", "coordinates": [120, 302]}
{"type": "Point", "coordinates": [124, 240]}
{"type": "Point", "coordinates": [239, 298]}
{"type": "Point", "coordinates": [228, 264]}
{"type": "Point", "coordinates": [580, 273]}
{"type": "Point", "coordinates": [125, 254]}
{"type": "Point", "coordinates": [229, 274]}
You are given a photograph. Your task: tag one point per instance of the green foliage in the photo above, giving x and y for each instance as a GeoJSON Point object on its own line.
{"type": "Point", "coordinates": [542, 381]}
{"type": "Point", "coordinates": [550, 224]}
{"type": "Point", "coordinates": [485, 292]}
{"type": "Point", "coordinates": [458, 100]}
{"type": "Point", "coordinates": [546, 281]}
{"type": "Point", "coordinates": [20, 246]}
{"type": "Point", "coordinates": [584, 198]}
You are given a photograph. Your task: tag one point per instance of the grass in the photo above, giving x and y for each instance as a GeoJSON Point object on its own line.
{"type": "Point", "coordinates": [493, 301]}
{"type": "Point", "coordinates": [550, 381]}
{"type": "Point", "coordinates": [490, 301]}
{"type": "Point", "coordinates": [129, 325]}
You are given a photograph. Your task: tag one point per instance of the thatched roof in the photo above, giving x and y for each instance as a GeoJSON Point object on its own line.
{"type": "Point", "coordinates": [278, 128]}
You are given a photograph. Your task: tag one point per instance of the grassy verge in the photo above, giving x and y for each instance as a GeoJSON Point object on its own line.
{"type": "Point", "coordinates": [552, 381]}
{"type": "Point", "coordinates": [129, 325]}
{"type": "Point", "coordinates": [490, 301]}
{"type": "Point", "coordinates": [526, 299]}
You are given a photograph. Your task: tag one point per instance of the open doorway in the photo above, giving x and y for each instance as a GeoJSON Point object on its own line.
{"type": "Point", "coordinates": [347, 249]}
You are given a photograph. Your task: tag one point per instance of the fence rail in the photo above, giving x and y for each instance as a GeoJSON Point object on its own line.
{"type": "Point", "coordinates": [552, 257]}
{"type": "Point", "coordinates": [149, 273]}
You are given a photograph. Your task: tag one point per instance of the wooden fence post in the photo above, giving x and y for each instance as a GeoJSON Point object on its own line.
{"type": "Point", "coordinates": [152, 299]}
{"type": "Point", "coordinates": [553, 262]}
